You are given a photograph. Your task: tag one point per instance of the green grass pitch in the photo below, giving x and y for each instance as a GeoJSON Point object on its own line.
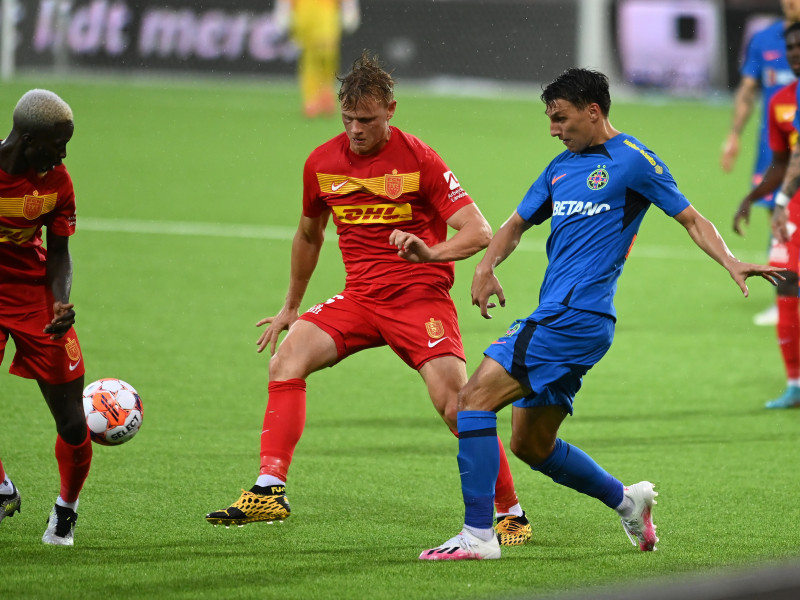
{"type": "Point", "coordinates": [188, 194]}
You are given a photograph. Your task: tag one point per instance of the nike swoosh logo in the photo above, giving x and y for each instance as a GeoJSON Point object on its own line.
{"type": "Point", "coordinates": [557, 178]}
{"type": "Point", "coordinates": [431, 343]}
{"type": "Point", "coordinates": [75, 366]}
{"type": "Point", "coordinates": [498, 343]}
{"type": "Point", "coordinates": [335, 187]}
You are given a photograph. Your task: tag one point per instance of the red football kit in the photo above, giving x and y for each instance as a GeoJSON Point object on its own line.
{"type": "Point", "coordinates": [783, 138]}
{"type": "Point", "coordinates": [28, 203]}
{"type": "Point", "coordinates": [386, 300]}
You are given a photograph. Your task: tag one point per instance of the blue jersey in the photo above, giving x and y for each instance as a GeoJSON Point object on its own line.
{"type": "Point", "coordinates": [596, 201]}
{"type": "Point", "coordinates": [765, 60]}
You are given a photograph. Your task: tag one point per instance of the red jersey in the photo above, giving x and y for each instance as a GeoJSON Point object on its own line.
{"type": "Point", "coordinates": [29, 202]}
{"type": "Point", "coordinates": [406, 185]}
{"type": "Point", "coordinates": [780, 118]}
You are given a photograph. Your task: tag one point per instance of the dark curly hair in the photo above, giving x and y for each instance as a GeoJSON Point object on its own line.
{"type": "Point", "coordinates": [366, 80]}
{"type": "Point", "coordinates": [580, 87]}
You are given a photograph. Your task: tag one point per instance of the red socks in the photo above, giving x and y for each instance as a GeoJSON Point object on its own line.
{"type": "Point", "coordinates": [788, 330]}
{"type": "Point", "coordinates": [505, 496]}
{"type": "Point", "coordinates": [73, 466]}
{"type": "Point", "coordinates": [284, 421]}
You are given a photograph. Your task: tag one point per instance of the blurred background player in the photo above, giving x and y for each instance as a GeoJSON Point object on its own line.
{"type": "Point", "coordinates": [782, 138]}
{"type": "Point", "coordinates": [316, 27]}
{"type": "Point", "coordinates": [36, 192]}
{"type": "Point", "coordinates": [765, 68]}
{"type": "Point", "coordinates": [595, 195]}
{"type": "Point", "coordinates": [392, 199]}
{"type": "Point", "coordinates": [785, 223]}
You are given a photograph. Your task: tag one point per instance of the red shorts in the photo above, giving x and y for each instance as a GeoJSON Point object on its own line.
{"type": "Point", "coordinates": [788, 255]}
{"type": "Point", "coordinates": [25, 310]}
{"type": "Point", "coordinates": [419, 323]}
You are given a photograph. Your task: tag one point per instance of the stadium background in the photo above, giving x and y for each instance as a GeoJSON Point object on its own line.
{"type": "Point", "coordinates": [685, 45]}
{"type": "Point", "coordinates": [124, 264]}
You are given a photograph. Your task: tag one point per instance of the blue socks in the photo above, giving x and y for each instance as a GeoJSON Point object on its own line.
{"type": "Point", "coordinates": [572, 467]}
{"type": "Point", "coordinates": [479, 464]}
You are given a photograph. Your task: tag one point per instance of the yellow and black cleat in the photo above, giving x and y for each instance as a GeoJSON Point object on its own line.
{"type": "Point", "coordinates": [10, 503]}
{"type": "Point", "coordinates": [512, 530]}
{"type": "Point", "coordinates": [259, 504]}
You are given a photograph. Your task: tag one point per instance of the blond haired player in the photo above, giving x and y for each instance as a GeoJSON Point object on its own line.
{"type": "Point", "coordinates": [392, 199]}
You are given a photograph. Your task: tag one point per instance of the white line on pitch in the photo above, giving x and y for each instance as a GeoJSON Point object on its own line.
{"type": "Point", "coordinates": [278, 232]}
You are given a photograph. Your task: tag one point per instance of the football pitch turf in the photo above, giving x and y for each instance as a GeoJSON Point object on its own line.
{"type": "Point", "coordinates": [188, 195]}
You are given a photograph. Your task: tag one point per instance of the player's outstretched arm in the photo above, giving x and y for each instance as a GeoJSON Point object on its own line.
{"type": "Point", "coordinates": [706, 236]}
{"type": "Point", "coordinates": [484, 282]}
{"type": "Point", "coordinates": [306, 247]}
{"type": "Point", "coordinates": [472, 235]}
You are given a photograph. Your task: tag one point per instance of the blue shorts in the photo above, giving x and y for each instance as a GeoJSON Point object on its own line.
{"type": "Point", "coordinates": [551, 351]}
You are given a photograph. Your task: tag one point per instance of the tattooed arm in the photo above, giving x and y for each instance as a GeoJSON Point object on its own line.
{"type": "Point", "coordinates": [791, 183]}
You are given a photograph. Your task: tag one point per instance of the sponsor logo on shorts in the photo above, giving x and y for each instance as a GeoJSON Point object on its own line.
{"type": "Point", "coordinates": [73, 350]}
{"type": "Point", "coordinates": [435, 328]}
{"type": "Point", "coordinates": [432, 344]}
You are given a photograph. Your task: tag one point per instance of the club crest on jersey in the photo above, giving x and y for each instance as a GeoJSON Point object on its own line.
{"type": "Point", "coordinates": [435, 329]}
{"type": "Point", "coordinates": [32, 206]}
{"type": "Point", "coordinates": [513, 329]}
{"type": "Point", "coordinates": [598, 178]}
{"type": "Point", "coordinates": [393, 184]}
{"type": "Point", "coordinates": [73, 351]}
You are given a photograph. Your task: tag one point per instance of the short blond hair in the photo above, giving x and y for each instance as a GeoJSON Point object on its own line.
{"type": "Point", "coordinates": [39, 109]}
{"type": "Point", "coordinates": [367, 79]}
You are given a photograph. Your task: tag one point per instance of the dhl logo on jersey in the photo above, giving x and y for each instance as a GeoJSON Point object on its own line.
{"type": "Point", "coordinates": [16, 236]}
{"type": "Point", "coordinates": [784, 113]}
{"type": "Point", "coordinates": [30, 206]}
{"type": "Point", "coordinates": [373, 213]}
{"type": "Point", "coordinates": [392, 185]}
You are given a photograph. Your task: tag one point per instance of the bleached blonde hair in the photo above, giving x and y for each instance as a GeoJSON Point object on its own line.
{"type": "Point", "coordinates": [39, 109]}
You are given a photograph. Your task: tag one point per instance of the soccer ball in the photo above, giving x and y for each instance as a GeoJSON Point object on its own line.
{"type": "Point", "coordinates": [113, 411]}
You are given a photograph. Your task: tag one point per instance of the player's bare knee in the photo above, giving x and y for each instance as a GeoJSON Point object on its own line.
{"type": "Point", "coordinates": [467, 398]}
{"type": "Point", "coordinates": [280, 369]}
{"type": "Point", "coordinates": [72, 428]}
{"type": "Point", "coordinates": [530, 451]}
{"type": "Point", "coordinates": [450, 414]}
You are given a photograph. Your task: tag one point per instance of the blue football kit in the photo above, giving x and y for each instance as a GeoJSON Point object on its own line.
{"type": "Point", "coordinates": [765, 60]}
{"type": "Point", "coordinates": [596, 201]}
